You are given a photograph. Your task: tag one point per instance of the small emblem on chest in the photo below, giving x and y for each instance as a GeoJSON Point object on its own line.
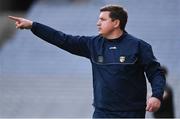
{"type": "Point", "coordinates": [122, 59]}
{"type": "Point", "coordinates": [100, 59]}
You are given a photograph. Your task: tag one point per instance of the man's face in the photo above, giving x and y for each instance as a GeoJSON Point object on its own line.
{"type": "Point", "coordinates": [105, 24]}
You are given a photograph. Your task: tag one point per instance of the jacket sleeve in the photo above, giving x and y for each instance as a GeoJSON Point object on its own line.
{"type": "Point", "coordinates": [153, 70]}
{"type": "Point", "coordinates": [78, 45]}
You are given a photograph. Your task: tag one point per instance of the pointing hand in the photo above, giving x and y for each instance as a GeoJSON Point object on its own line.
{"type": "Point", "coordinates": [22, 23]}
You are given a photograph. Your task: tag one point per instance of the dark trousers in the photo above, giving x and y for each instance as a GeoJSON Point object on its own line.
{"type": "Point", "coordinates": [100, 113]}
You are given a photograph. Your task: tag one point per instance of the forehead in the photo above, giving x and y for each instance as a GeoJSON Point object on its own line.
{"type": "Point", "coordinates": [104, 14]}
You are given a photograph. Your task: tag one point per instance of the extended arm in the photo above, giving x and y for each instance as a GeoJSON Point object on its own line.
{"type": "Point", "coordinates": [78, 45]}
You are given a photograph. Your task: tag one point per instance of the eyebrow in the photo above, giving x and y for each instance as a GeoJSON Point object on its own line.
{"type": "Point", "coordinates": [102, 18]}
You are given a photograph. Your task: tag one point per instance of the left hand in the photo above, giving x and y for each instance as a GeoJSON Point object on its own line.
{"type": "Point", "coordinates": [153, 104]}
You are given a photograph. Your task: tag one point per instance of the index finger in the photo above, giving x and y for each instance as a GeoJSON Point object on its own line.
{"type": "Point", "coordinates": [14, 18]}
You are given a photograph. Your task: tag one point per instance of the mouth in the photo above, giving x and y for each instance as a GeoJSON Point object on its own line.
{"type": "Point", "coordinates": [99, 28]}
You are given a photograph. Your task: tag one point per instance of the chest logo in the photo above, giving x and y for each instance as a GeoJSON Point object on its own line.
{"type": "Point", "coordinates": [100, 59]}
{"type": "Point", "coordinates": [122, 59]}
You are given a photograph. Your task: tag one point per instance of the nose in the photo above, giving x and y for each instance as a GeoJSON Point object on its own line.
{"type": "Point", "coordinates": [98, 23]}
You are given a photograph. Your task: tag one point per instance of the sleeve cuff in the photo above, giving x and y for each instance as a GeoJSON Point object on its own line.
{"type": "Point", "coordinates": [33, 27]}
{"type": "Point", "coordinates": [157, 96]}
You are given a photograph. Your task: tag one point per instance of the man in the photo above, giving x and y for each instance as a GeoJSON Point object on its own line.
{"type": "Point", "coordinates": [119, 61]}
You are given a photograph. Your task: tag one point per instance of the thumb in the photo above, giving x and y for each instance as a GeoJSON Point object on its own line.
{"type": "Point", "coordinates": [20, 25]}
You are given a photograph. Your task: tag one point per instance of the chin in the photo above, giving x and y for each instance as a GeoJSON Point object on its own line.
{"type": "Point", "coordinates": [100, 33]}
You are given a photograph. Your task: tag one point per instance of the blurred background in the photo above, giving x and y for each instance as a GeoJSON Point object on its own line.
{"type": "Point", "coordinates": [40, 80]}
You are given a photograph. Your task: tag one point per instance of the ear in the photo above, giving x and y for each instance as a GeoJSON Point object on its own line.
{"type": "Point", "coordinates": [116, 23]}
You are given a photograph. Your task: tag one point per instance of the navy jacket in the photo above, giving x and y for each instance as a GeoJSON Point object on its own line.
{"type": "Point", "coordinates": [119, 67]}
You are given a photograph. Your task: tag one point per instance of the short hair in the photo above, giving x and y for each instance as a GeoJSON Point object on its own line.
{"type": "Point", "coordinates": [117, 12]}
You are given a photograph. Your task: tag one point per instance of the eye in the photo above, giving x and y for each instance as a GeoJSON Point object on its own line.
{"type": "Point", "coordinates": [102, 19]}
